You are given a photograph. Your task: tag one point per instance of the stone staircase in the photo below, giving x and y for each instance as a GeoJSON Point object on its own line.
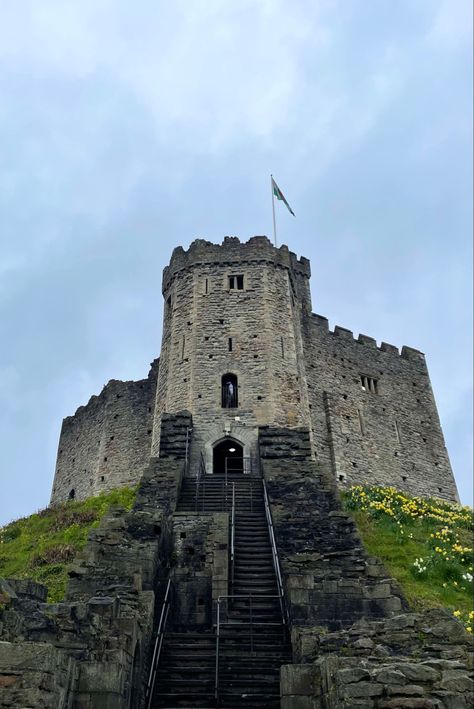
{"type": "Point", "coordinates": [253, 641]}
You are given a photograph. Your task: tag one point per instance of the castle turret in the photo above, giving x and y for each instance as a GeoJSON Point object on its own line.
{"type": "Point", "coordinates": [232, 352]}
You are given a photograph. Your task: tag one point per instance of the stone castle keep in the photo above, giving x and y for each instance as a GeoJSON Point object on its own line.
{"type": "Point", "coordinates": [241, 314]}
{"type": "Point", "coordinates": [237, 579]}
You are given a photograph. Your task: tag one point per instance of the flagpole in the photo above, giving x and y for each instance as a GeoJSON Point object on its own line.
{"type": "Point", "coordinates": [273, 209]}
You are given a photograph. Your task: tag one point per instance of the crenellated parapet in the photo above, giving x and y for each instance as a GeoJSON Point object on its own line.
{"type": "Point", "coordinates": [233, 252]}
{"type": "Point", "coordinates": [347, 335]}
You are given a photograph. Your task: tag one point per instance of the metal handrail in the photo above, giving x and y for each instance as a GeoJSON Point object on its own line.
{"type": "Point", "coordinates": [245, 466]}
{"type": "Point", "coordinates": [219, 624]}
{"type": "Point", "coordinates": [276, 562]}
{"type": "Point", "coordinates": [216, 671]}
{"type": "Point", "coordinates": [165, 608]}
{"type": "Point", "coordinates": [189, 430]}
{"type": "Point", "coordinates": [232, 538]}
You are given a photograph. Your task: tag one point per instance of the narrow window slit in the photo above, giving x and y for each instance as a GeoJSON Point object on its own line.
{"type": "Point", "coordinates": [397, 431]}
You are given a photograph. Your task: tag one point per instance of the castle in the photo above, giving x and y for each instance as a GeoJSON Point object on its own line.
{"type": "Point", "coordinates": [237, 579]}
{"type": "Point", "coordinates": [238, 318]}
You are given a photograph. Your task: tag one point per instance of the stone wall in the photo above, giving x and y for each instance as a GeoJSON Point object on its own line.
{"type": "Point", "coordinates": [391, 436]}
{"type": "Point", "coordinates": [200, 566]}
{"type": "Point", "coordinates": [106, 443]}
{"type": "Point", "coordinates": [91, 651]}
{"type": "Point", "coordinates": [355, 645]}
{"type": "Point", "coordinates": [329, 578]}
{"type": "Point", "coordinates": [409, 661]}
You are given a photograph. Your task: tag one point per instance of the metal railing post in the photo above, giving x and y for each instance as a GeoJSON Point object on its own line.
{"type": "Point", "coordinates": [251, 626]}
{"type": "Point", "coordinates": [232, 539]}
{"type": "Point", "coordinates": [157, 647]}
{"type": "Point", "coordinates": [216, 679]}
{"type": "Point", "coordinates": [276, 563]}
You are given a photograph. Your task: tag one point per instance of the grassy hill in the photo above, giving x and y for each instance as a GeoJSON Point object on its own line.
{"type": "Point", "coordinates": [42, 546]}
{"type": "Point", "coordinates": [427, 545]}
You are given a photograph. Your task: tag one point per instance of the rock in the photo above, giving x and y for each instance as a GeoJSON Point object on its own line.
{"type": "Point", "coordinates": [399, 622]}
{"type": "Point", "coordinates": [363, 689]}
{"type": "Point", "coordinates": [454, 680]}
{"type": "Point", "coordinates": [449, 629]}
{"type": "Point", "coordinates": [406, 689]}
{"type": "Point", "coordinates": [409, 703]}
{"type": "Point", "coordinates": [389, 676]}
{"type": "Point", "coordinates": [363, 644]}
{"type": "Point", "coordinates": [353, 674]}
{"type": "Point", "coordinates": [418, 672]}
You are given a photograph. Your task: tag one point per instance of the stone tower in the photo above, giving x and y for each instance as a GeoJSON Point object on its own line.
{"type": "Point", "coordinates": [233, 313]}
{"type": "Point", "coordinates": [242, 349]}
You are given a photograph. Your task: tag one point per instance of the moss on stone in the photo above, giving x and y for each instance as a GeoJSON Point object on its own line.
{"type": "Point", "coordinates": [42, 546]}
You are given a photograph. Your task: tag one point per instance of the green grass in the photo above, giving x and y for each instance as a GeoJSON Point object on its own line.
{"type": "Point", "coordinates": [42, 546]}
{"type": "Point", "coordinates": [426, 545]}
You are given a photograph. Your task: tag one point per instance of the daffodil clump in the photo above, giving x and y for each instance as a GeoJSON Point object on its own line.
{"type": "Point", "coordinates": [426, 544]}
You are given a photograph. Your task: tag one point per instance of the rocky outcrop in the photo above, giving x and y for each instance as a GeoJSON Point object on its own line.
{"type": "Point", "coordinates": [408, 661]}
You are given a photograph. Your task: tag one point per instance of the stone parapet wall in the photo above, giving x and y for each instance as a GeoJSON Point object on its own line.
{"type": "Point", "coordinates": [329, 578]}
{"type": "Point", "coordinates": [107, 443]}
{"type": "Point", "coordinates": [232, 250]}
{"type": "Point", "coordinates": [200, 567]}
{"type": "Point", "coordinates": [387, 436]}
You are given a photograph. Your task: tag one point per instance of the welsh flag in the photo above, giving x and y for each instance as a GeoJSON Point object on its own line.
{"type": "Point", "coordinates": [279, 195]}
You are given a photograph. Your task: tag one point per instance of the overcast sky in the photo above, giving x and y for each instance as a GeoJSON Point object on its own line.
{"type": "Point", "coordinates": [127, 128]}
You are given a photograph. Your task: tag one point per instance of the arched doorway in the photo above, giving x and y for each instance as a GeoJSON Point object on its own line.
{"type": "Point", "coordinates": [230, 451]}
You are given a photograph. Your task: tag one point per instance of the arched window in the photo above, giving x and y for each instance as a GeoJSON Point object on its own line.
{"type": "Point", "coordinates": [229, 391]}
{"type": "Point", "coordinates": [72, 494]}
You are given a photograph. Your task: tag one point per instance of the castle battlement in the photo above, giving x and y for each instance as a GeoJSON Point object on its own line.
{"type": "Point", "coordinates": [343, 333]}
{"type": "Point", "coordinates": [232, 251]}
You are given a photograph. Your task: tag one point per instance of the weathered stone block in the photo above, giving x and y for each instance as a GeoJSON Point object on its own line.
{"type": "Point", "coordinates": [299, 679]}
{"type": "Point", "coordinates": [363, 689]}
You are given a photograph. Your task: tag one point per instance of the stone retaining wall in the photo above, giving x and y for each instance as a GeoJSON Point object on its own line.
{"type": "Point", "coordinates": [91, 651]}
{"type": "Point", "coordinates": [409, 661]}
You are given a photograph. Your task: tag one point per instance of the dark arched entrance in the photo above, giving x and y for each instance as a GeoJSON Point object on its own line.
{"type": "Point", "coordinates": [230, 451]}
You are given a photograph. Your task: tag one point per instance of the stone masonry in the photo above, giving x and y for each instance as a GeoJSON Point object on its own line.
{"type": "Point", "coordinates": [355, 643]}
{"type": "Point", "coordinates": [317, 410]}
{"type": "Point", "coordinates": [245, 309]}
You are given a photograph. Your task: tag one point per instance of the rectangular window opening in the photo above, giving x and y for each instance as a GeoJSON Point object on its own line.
{"type": "Point", "coordinates": [236, 282]}
{"type": "Point", "coordinates": [369, 384]}
{"type": "Point", "coordinates": [206, 286]}
{"type": "Point", "coordinates": [282, 348]}
{"type": "Point", "coordinates": [230, 344]}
